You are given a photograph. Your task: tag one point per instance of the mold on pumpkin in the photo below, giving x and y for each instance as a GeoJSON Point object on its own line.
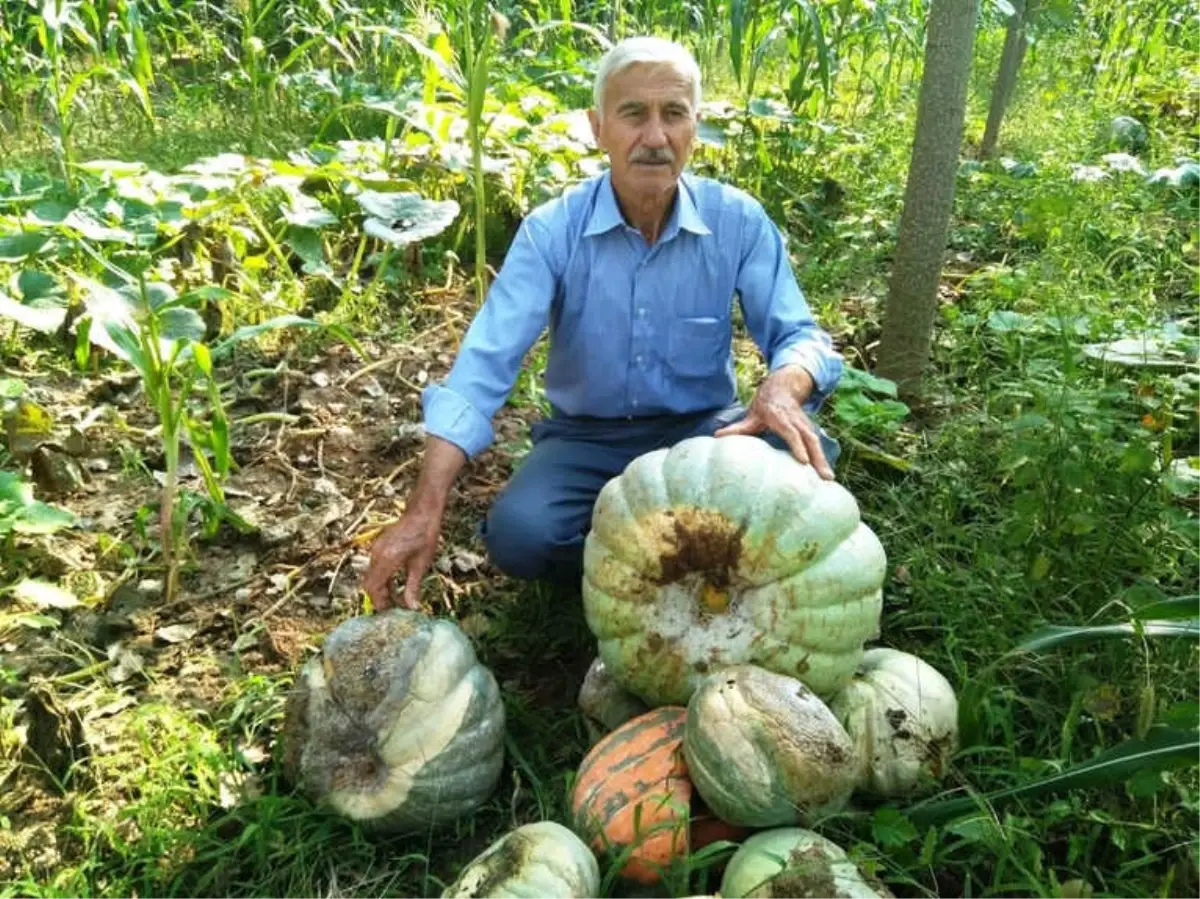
{"type": "Point", "coordinates": [395, 724]}
{"type": "Point", "coordinates": [535, 860]}
{"type": "Point", "coordinates": [719, 551]}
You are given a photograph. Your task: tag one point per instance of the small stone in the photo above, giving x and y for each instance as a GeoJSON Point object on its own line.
{"type": "Point", "coordinates": [150, 587]}
{"type": "Point", "coordinates": [242, 594]}
{"type": "Point", "coordinates": [320, 379]}
{"type": "Point", "coordinates": [176, 633]}
{"type": "Point", "coordinates": [97, 465]}
{"type": "Point", "coordinates": [371, 387]}
{"type": "Point", "coordinates": [54, 471]}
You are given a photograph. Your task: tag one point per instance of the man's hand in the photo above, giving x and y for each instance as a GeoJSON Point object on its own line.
{"type": "Point", "coordinates": [412, 541]}
{"type": "Point", "coordinates": [778, 406]}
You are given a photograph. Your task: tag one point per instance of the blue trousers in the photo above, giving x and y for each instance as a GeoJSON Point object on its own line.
{"type": "Point", "coordinates": [536, 527]}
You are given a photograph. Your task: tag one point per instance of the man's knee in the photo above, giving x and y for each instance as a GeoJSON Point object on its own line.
{"type": "Point", "coordinates": [525, 542]}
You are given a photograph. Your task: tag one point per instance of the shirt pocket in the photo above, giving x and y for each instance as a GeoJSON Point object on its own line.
{"type": "Point", "coordinates": [698, 346]}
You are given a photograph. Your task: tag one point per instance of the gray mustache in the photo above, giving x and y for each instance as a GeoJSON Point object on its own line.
{"type": "Point", "coordinates": [654, 156]}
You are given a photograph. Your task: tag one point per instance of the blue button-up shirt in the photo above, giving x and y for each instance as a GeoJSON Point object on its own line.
{"type": "Point", "coordinates": [635, 330]}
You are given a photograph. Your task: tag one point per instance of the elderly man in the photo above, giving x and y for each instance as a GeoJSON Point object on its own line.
{"type": "Point", "coordinates": [634, 273]}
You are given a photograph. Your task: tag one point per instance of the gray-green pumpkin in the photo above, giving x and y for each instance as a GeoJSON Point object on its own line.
{"type": "Point", "coordinates": [606, 705]}
{"type": "Point", "coordinates": [796, 863]}
{"type": "Point", "coordinates": [763, 750]}
{"type": "Point", "coordinates": [396, 723]}
{"type": "Point", "coordinates": [543, 859]}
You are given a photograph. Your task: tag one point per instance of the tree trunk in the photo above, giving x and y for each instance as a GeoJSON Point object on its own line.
{"type": "Point", "coordinates": [928, 194]}
{"type": "Point", "coordinates": [1006, 78]}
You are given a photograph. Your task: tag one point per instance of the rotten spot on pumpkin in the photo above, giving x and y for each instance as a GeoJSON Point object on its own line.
{"type": "Point", "coordinates": [655, 642]}
{"type": "Point", "coordinates": [508, 861]}
{"type": "Point", "coordinates": [806, 874]}
{"type": "Point", "coordinates": [700, 541]}
{"type": "Point", "coordinates": [896, 718]}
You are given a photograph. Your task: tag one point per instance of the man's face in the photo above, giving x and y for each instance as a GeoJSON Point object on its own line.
{"type": "Point", "coordinates": [647, 128]}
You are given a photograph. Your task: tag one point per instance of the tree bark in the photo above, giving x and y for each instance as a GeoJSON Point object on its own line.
{"type": "Point", "coordinates": [928, 194]}
{"type": "Point", "coordinates": [1006, 78]}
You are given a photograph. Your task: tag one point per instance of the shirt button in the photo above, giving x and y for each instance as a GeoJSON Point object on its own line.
{"type": "Point", "coordinates": [638, 360]}
{"type": "Point", "coordinates": [641, 312]}
{"type": "Point", "coordinates": [635, 402]}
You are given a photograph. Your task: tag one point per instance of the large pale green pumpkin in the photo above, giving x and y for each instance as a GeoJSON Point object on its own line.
{"type": "Point", "coordinates": [797, 863]}
{"type": "Point", "coordinates": [396, 723]}
{"type": "Point", "coordinates": [725, 550]}
{"type": "Point", "coordinates": [543, 859]}
{"type": "Point", "coordinates": [763, 750]}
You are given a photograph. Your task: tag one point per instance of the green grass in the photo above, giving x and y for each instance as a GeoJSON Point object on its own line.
{"type": "Point", "coordinates": [1035, 496]}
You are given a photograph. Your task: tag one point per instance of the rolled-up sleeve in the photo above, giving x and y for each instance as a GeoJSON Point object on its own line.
{"type": "Point", "coordinates": [776, 312]}
{"type": "Point", "coordinates": [515, 313]}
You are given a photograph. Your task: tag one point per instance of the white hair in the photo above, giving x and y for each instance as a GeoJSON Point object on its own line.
{"type": "Point", "coordinates": [646, 49]}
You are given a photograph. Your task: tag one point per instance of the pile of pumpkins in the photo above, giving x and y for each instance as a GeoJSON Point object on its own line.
{"type": "Point", "coordinates": [732, 593]}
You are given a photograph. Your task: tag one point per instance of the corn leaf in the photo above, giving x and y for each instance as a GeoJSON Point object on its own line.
{"type": "Point", "coordinates": [1162, 747]}
{"type": "Point", "coordinates": [1064, 635]}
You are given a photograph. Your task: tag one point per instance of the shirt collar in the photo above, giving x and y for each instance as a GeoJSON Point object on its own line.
{"type": "Point", "coordinates": [606, 215]}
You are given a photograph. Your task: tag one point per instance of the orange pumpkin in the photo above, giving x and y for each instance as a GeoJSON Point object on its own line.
{"type": "Point", "coordinates": [632, 789]}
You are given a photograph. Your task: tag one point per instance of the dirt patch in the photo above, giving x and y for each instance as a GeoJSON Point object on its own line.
{"type": "Point", "coordinates": [701, 541]}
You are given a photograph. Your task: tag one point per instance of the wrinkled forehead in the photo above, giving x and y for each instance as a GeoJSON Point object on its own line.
{"type": "Point", "coordinates": [651, 83]}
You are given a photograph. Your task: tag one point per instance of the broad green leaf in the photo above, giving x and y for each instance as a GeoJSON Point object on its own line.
{"type": "Point", "coordinates": [1064, 635]}
{"type": "Point", "coordinates": [89, 227]}
{"type": "Point", "coordinates": [1007, 320]}
{"type": "Point", "coordinates": [857, 379]}
{"type": "Point", "coordinates": [308, 216]}
{"type": "Point", "coordinates": [1162, 747]}
{"type": "Point", "coordinates": [405, 217]}
{"type": "Point", "coordinates": [19, 247]}
{"type": "Point", "coordinates": [44, 595]}
{"type": "Point", "coordinates": [180, 323]}
{"type": "Point", "coordinates": [44, 318]}
{"type": "Point", "coordinates": [49, 212]}
{"type": "Point", "coordinates": [158, 294]}
{"type": "Point", "coordinates": [210, 293]}
{"type": "Point", "coordinates": [11, 388]}
{"type": "Point", "coordinates": [34, 285]}
{"type": "Point", "coordinates": [306, 243]}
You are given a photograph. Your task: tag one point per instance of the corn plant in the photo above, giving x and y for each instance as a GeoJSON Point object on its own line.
{"type": "Point", "coordinates": [161, 335]}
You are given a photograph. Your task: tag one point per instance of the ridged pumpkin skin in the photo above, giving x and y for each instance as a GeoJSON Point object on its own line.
{"type": "Point", "coordinates": [543, 859]}
{"type": "Point", "coordinates": [632, 788]}
{"type": "Point", "coordinates": [725, 550]}
{"type": "Point", "coordinates": [396, 723]}
{"type": "Point", "coordinates": [794, 862]}
{"type": "Point", "coordinates": [763, 750]}
{"type": "Point", "coordinates": [606, 705]}
{"type": "Point", "coordinates": [902, 715]}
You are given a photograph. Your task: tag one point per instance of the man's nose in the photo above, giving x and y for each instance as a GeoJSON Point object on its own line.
{"type": "Point", "coordinates": [654, 134]}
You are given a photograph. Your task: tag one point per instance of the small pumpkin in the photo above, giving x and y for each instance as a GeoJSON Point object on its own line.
{"type": "Point", "coordinates": [764, 750]}
{"type": "Point", "coordinates": [395, 723]}
{"type": "Point", "coordinates": [606, 705]}
{"type": "Point", "coordinates": [534, 860]}
{"type": "Point", "coordinates": [794, 862]}
{"type": "Point", "coordinates": [719, 551]}
{"type": "Point", "coordinates": [632, 790]}
{"type": "Point", "coordinates": [902, 715]}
